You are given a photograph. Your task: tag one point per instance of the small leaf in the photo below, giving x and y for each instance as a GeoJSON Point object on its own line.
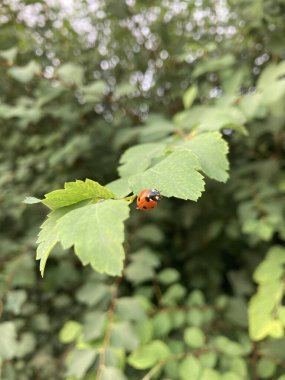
{"type": "Point", "coordinates": [173, 295]}
{"type": "Point", "coordinates": [210, 374]}
{"type": "Point", "coordinates": [26, 345]}
{"type": "Point", "coordinates": [266, 368]}
{"type": "Point", "coordinates": [93, 327]}
{"type": "Point", "coordinates": [175, 176]}
{"type": "Point", "coordinates": [124, 89]}
{"type": "Point", "coordinates": [112, 373]}
{"type": "Point", "coordinates": [194, 337]}
{"type": "Point", "coordinates": [190, 368]}
{"type": "Point", "coordinates": [70, 332]}
{"type": "Point", "coordinates": [124, 336]}
{"type": "Point", "coordinates": [149, 355]}
{"type": "Point", "coordinates": [144, 329]}
{"type": "Point", "coordinates": [168, 276]}
{"type": "Point", "coordinates": [228, 347]}
{"type": "Point", "coordinates": [9, 55]}
{"type": "Point", "coordinates": [161, 324]}
{"type": "Point", "coordinates": [211, 151]}
{"type": "Point", "coordinates": [79, 361]}
{"type": "Point", "coordinates": [71, 73]}
{"type": "Point", "coordinates": [229, 375]}
{"type": "Point", "coordinates": [32, 200]}
{"type": "Point", "coordinates": [26, 73]}
{"type": "Point", "coordinates": [130, 309]}
{"type": "Point", "coordinates": [97, 233]}
{"type": "Point", "coordinates": [8, 343]}
{"type": "Point", "coordinates": [75, 192]}
{"type": "Point", "coordinates": [15, 300]}
{"type": "Point", "coordinates": [94, 92]}
{"type": "Point", "coordinates": [92, 293]}
{"type": "Point", "coordinates": [213, 64]}
{"type": "Point", "coordinates": [209, 359]}
{"type": "Point", "coordinates": [190, 96]}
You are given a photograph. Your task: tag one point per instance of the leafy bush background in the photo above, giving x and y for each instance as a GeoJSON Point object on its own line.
{"type": "Point", "coordinates": [73, 99]}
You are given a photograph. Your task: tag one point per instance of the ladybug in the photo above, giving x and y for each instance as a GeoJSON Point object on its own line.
{"type": "Point", "coordinates": [147, 199]}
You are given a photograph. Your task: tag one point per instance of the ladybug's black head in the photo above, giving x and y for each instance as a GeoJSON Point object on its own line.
{"type": "Point", "coordinates": [154, 195]}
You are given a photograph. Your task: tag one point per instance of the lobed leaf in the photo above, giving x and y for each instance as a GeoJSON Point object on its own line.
{"type": "Point", "coordinates": [75, 192]}
{"type": "Point", "coordinates": [175, 176]}
{"type": "Point", "coordinates": [211, 150]}
{"type": "Point", "coordinates": [139, 157]}
{"type": "Point", "coordinates": [96, 231]}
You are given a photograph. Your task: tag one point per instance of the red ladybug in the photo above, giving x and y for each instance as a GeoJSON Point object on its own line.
{"type": "Point", "coordinates": [147, 199]}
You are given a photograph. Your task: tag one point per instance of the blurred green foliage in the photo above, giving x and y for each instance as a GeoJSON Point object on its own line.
{"type": "Point", "coordinates": [94, 91]}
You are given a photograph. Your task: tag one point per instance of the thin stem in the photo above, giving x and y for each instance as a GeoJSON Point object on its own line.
{"type": "Point", "coordinates": [106, 341]}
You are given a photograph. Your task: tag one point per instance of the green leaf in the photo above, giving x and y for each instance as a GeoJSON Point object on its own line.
{"type": "Point", "coordinates": [149, 355]}
{"type": "Point", "coordinates": [124, 336]}
{"type": "Point", "coordinates": [8, 343]}
{"type": "Point", "coordinates": [124, 89]}
{"type": "Point", "coordinates": [274, 348]}
{"type": "Point", "coordinates": [211, 118]}
{"type": "Point", "coordinates": [173, 295]}
{"type": "Point", "coordinates": [144, 329]}
{"type": "Point", "coordinates": [130, 309]}
{"type": "Point", "coordinates": [194, 337]}
{"type": "Point", "coordinates": [168, 275]}
{"type": "Point", "coordinates": [209, 359]}
{"type": "Point", "coordinates": [213, 64]}
{"type": "Point", "coordinates": [96, 231]}
{"type": "Point", "coordinates": [32, 200]}
{"type": "Point", "coordinates": [231, 376]}
{"type": "Point", "coordinates": [47, 238]}
{"type": "Point", "coordinates": [15, 300]}
{"type": "Point", "coordinates": [79, 361]}
{"type": "Point", "coordinates": [137, 274]}
{"type": "Point", "coordinates": [120, 187]}
{"type": "Point", "coordinates": [189, 96]}
{"type": "Point", "coordinates": [239, 366]}
{"type": "Point", "coordinates": [26, 73]}
{"type": "Point", "coordinates": [26, 345]}
{"type": "Point", "coordinates": [112, 373]}
{"type": "Point", "coordinates": [211, 151]}
{"type": "Point", "coordinates": [266, 368]}
{"type": "Point", "coordinates": [70, 332]}
{"type": "Point", "coordinates": [195, 317]}
{"type": "Point", "coordinates": [161, 324]}
{"type": "Point", "coordinates": [9, 55]}
{"type": "Point", "coordinates": [139, 157]}
{"type": "Point", "coordinates": [93, 327]}
{"type": "Point", "coordinates": [190, 368]}
{"type": "Point", "coordinates": [94, 92]}
{"type": "Point", "coordinates": [228, 347]}
{"type": "Point", "coordinates": [71, 73]}
{"type": "Point", "coordinates": [75, 192]}
{"type": "Point", "coordinates": [196, 298]}
{"type": "Point", "coordinates": [210, 374]}
{"type": "Point", "coordinates": [264, 305]}
{"type": "Point", "coordinates": [92, 293]}
{"type": "Point", "coordinates": [175, 176]}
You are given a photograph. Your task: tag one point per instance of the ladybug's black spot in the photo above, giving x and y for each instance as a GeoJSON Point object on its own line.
{"type": "Point", "coordinates": [147, 199]}
{"type": "Point", "coordinates": [152, 207]}
{"type": "Point", "coordinates": [139, 199]}
{"type": "Point", "coordinates": [145, 207]}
